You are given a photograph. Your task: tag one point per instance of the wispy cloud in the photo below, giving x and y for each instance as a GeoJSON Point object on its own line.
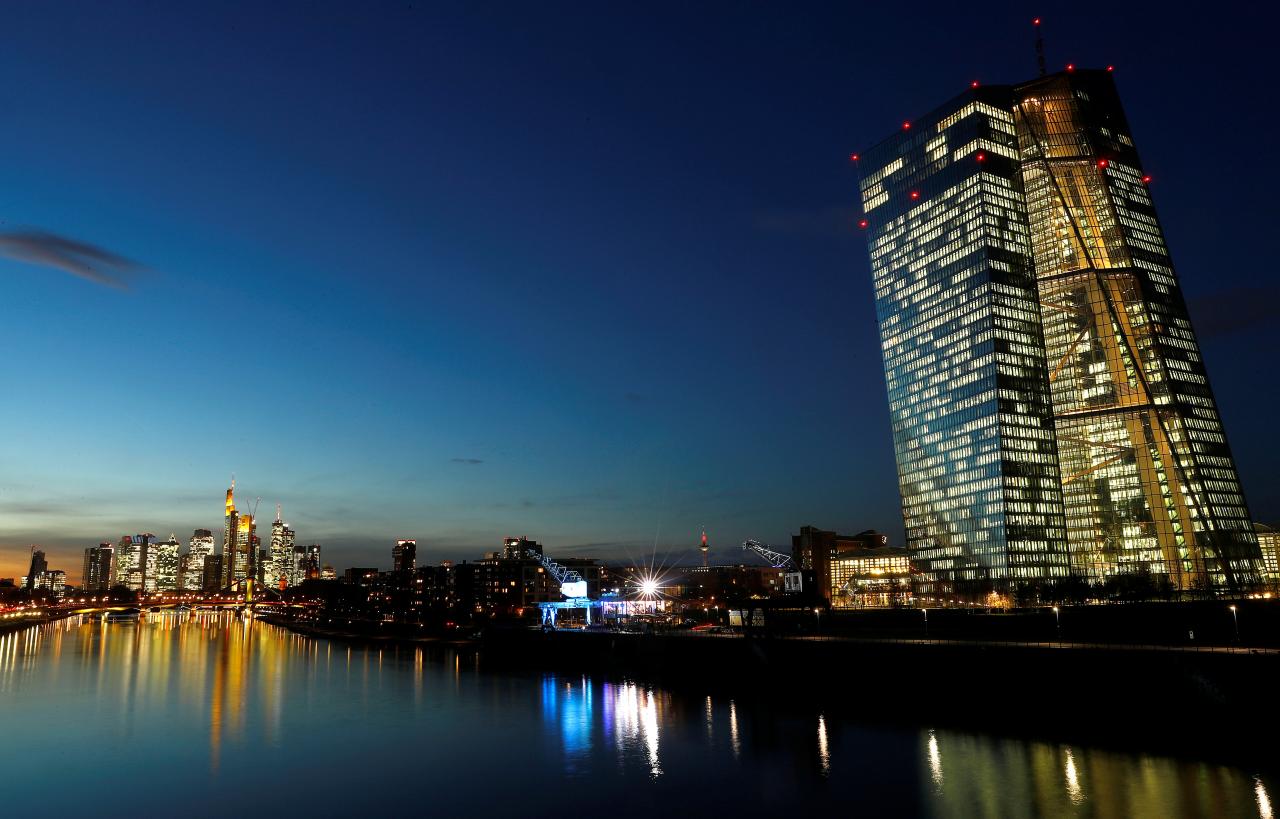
{"type": "Point", "coordinates": [69, 255]}
{"type": "Point", "coordinates": [467, 461]}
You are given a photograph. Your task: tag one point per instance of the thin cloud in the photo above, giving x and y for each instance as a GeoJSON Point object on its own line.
{"type": "Point", "coordinates": [68, 255]}
{"type": "Point", "coordinates": [467, 461]}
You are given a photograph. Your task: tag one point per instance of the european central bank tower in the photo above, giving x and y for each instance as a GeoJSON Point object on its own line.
{"type": "Point", "coordinates": [1051, 414]}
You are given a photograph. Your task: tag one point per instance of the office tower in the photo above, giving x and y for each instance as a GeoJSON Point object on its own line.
{"type": "Point", "coordinates": [298, 565]}
{"type": "Point", "coordinates": [125, 557]}
{"type": "Point", "coordinates": [283, 562]}
{"type": "Point", "coordinates": [213, 575]}
{"type": "Point", "coordinates": [165, 564]}
{"type": "Point", "coordinates": [1149, 483]}
{"type": "Point", "coordinates": [404, 556]}
{"type": "Point", "coordinates": [311, 562]}
{"type": "Point", "coordinates": [95, 578]}
{"type": "Point", "coordinates": [135, 562]}
{"type": "Point", "coordinates": [1051, 416]}
{"type": "Point", "coordinates": [239, 544]}
{"type": "Point", "coordinates": [38, 567]}
{"type": "Point", "coordinates": [961, 341]}
{"type": "Point", "coordinates": [191, 565]}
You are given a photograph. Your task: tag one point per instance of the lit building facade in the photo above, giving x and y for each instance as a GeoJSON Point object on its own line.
{"type": "Point", "coordinates": [95, 577]}
{"type": "Point", "coordinates": [1050, 409]}
{"type": "Point", "coordinates": [404, 556]}
{"type": "Point", "coordinates": [239, 544]}
{"type": "Point", "coordinates": [1148, 480]}
{"type": "Point", "coordinates": [39, 566]}
{"type": "Point", "coordinates": [962, 345]}
{"type": "Point", "coordinates": [164, 562]}
{"type": "Point", "coordinates": [284, 561]}
{"type": "Point", "coordinates": [1269, 547]}
{"type": "Point", "coordinates": [192, 564]}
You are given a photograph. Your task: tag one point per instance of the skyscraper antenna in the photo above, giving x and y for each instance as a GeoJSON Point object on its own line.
{"type": "Point", "coordinates": [1039, 46]}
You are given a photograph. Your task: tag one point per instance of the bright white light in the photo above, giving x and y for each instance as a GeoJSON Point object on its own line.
{"type": "Point", "coordinates": [649, 587]}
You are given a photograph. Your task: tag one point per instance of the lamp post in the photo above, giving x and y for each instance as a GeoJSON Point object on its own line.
{"type": "Point", "coordinates": [818, 613]}
{"type": "Point", "coordinates": [1057, 622]}
{"type": "Point", "coordinates": [1235, 619]}
{"type": "Point", "coordinates": [926, 623]}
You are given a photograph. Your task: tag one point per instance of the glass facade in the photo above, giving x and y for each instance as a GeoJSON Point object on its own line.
{"type": "Point", "coordinates": [963, 351]}
{"type": "Point", "coordinates": [1051, 412]}
{"type": "Point", "coordinates": [1149, 483]}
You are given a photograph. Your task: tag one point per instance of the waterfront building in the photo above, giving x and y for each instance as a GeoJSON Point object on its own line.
{"type": "Point", "coordinates": [95, 577]}
{"type": "Point", "coordinates": [213, 574]}
{"type": "Point", "coordinates": [327, 573]}
{"type": "Point", "coordinates": [192, 564]}
{"type": "Point", "coordinates": [126, 555]}
{"type": "Point", "coordinates": [38, 567]}
{"type": "Point", "coordinates": [53, 581]}
{"type": "Point", "coordinates": [1269, 547]}
{"type": "Point", "coordinates": [404, 556]}
{"type": "Point", "coordinates": [239, 544]}
{"type": "Point", "coordinates": [283, 561]}
{"type": "Point", "coordinates": [1051, 414]}
{"type": "Point", "coordinates": [310, 564]}
{"type": "Point", "coordinates": [165, 563]}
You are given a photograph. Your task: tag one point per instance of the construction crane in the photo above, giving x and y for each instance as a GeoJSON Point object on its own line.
{"type": "Point", "coordinates": [776, 559]}
{"type": "Point", "coordinates": [571, 583]}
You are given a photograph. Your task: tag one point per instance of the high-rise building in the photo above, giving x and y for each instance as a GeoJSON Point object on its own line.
{"type": "Point", "coordinates": [213, 575]}
{"type": "Point", "coordinates": [96, 574]}
{"type": "Point", "coordinates": [38, 567]}
{"type": "Point", "coordinates": [125, 557]}
{"type": "Point", "coordinates": [165, 564]}
{"type": "Point", "coordinates": [135, 562]}
{"type": "Point", "coordinates": [1269, 546]}
{"type": "Point", "coordinates": [310, 563]}
{"type": "Point", "coordinates": [191, 565]}
{"type": "Point", "coordinates": [404, 556]}
{"type": "Point", "coordinates": [299, 565]}
{"type": "Point", "coordinates": [284, 561]}
{"type": "Point", "coordinates": [239, 544]}
{"type": "Point", "coordinates": [1051, 413]}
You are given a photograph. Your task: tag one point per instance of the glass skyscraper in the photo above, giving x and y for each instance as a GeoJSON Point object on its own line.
{"type": "Point", "coordinates": [1050, 410]}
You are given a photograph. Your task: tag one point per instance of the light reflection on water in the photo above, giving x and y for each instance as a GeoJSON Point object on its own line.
{"type": "Point", "coordinates": [208, 704]}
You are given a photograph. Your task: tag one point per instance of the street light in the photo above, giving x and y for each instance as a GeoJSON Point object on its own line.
{"type": "Point", "coordinates": [1057, 621]}
{"type": "Point", "coordinates": [926, 623]}
{"type": "Point", "coordinates": [1235, 618]}
{"type": "Point", "coordinates": [818, 612]}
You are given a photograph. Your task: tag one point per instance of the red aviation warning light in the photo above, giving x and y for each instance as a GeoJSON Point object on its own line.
{"type": "Point", "coordinates": [863, 223]}
{"type": "Point", "coordinates": [1071, 66]}
{"type": "Point", "coordinates": [1103, 163]}
{"type": "Point", "coordinates": [853, 157]}
{"type": "Point", "coordinates": [1146, 180]}
{"type": "Point", "coordinates": [1111, 68]}
{"type": "Point", "coordinates": [906, 126]}
{"type": "Point", "coordinates": [1035, 22]}
{"type": "Point", "coordinates": [980, 157]}
{"type": "Point", "coordinates": [915, 194]}
{"type": "Point", "coordinates": [973, 84]}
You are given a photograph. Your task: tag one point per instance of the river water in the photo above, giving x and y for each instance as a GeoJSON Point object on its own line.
{"type": "Point", "coordinates": [212, 715]}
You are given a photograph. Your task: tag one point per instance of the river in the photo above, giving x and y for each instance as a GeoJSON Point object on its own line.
{"type": "Point", "coordinates": [211, 715]}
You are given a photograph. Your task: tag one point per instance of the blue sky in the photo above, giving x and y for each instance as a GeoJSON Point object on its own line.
{"type": "Point", "coordinates": [584, 272]}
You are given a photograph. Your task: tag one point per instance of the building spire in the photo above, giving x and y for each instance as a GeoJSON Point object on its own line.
{"type": "Point", "coordinates": [277, 513]}
{"type": "Point", "coordinates": [1039, 46]}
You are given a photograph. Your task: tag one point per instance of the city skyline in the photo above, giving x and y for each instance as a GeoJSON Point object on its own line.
{"type": "Point", "coordinates": [465, 377]}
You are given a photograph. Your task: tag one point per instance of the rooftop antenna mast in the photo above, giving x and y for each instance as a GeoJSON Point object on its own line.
{"type": "Point", "coordinates": [1039, 46]}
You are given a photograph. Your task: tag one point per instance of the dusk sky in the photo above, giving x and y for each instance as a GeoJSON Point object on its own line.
{"type": "Point", "coordinates": [585, 272]}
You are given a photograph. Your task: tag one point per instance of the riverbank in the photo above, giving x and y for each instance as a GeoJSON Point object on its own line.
{"type": "Point", "coordinates": [1165, 693]}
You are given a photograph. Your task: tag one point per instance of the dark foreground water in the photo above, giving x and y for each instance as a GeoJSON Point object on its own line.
{"type": "Point", "coordinates": [210, 715]}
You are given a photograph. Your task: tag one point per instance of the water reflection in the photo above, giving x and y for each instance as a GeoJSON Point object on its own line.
{"type": "Point", "coordinates": [211, 703]}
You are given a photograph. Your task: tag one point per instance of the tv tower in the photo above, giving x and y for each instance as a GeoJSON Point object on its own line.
{"type": "Point", "coordinates": [705, 547]}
